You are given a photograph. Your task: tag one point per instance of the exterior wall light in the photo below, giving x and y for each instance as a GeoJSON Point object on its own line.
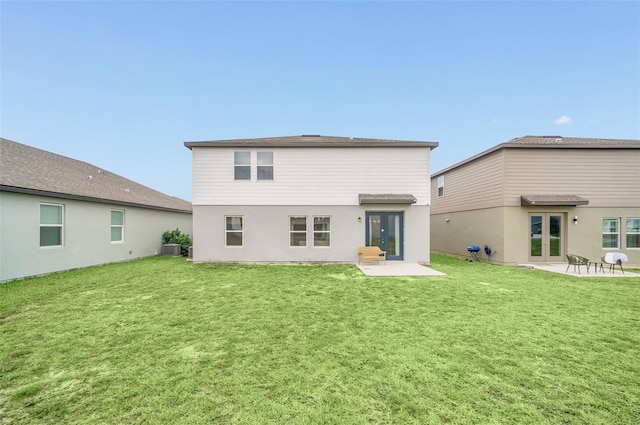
{"type": "Point", "coordinates": [575, 219]}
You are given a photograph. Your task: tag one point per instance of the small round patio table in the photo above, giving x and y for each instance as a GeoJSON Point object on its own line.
{"type": "Point", "coordinates": [595, 266]}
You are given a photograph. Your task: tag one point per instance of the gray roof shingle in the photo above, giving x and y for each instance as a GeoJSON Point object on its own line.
{"type": "Point", "coordinates": [568, 142]}
{"type": "Point", "coordinates": [310, 140]}
{"type": "Point", "coordinates": [26, 169]}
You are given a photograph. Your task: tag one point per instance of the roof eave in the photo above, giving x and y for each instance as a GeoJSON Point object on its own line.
{"type": "Point", "coordinates": [70, 196]}
{"type": "Point", "coordinates": [315, 142]}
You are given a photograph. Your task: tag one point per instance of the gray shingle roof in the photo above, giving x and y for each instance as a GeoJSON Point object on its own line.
{"type": "Point", "coordinates": [26, 169]}
{"type": "Point", "coordinates": [550, 142]}
{"type": "Point", "coordinates": [310, 140]}
{"type": "Point", "coordinates": [568, 142]}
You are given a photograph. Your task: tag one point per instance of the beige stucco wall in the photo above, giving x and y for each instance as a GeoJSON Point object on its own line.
{"type": "Point", "coordinates": [507, 231]}
{"type": "Point", "coordinates": [451, 233]}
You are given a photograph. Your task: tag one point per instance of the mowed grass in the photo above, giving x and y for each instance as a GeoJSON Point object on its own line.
{"type": "Point", "coordinates": [163, 341]}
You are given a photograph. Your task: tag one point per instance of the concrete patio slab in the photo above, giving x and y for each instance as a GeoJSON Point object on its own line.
{"type": "Point", "coordinates": [397, 268]}
{"type": "Point", "coordinates": [562, 269]}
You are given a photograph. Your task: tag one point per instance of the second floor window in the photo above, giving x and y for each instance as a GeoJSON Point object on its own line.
{"type": "Point", "coordinates": [440, 186]}
{"type": "Point", "coordinates": [265, 165]}
{"type": "Point", "coordinates": [251, 165]}
{"type": "Point", "coordinates": [242, 165]}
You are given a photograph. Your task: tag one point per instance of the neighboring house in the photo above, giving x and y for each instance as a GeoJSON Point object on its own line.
{"type": "Point", "coordinates": [57, 213]}
{"type": "Point", "coordinates": [536, 199]}
{"type": "Point", "coordinates": [310, 198]}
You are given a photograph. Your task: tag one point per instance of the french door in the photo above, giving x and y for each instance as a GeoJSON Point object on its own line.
{"type": "Point", "coordinates": [385, 229]}
{"type": "Point", "coordinates": [546, 237]}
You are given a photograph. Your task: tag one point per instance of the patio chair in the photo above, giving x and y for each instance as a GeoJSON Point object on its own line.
{"type": "Point", "coordinates": [490, 252]}
{"type": "Point", "coordinates": [614, 259]}
{"type": "Point", "coordinates": [577, 261]}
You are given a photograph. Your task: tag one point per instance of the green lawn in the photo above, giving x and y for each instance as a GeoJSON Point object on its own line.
{"type": "Point", "coordinates": [163, 341]}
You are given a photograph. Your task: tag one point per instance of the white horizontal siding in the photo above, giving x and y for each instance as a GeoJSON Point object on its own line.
{"type": "Point", "coordinates": [313, 176]}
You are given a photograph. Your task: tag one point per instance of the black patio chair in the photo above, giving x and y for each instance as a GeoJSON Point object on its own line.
{"type": "Point", "coordinates": [490, 252]}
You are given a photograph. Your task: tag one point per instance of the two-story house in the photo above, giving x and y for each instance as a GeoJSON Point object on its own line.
{"type": "Point", "coordinates": [310, 198]}
{"type": "Point", "coordinates": [535, 199]}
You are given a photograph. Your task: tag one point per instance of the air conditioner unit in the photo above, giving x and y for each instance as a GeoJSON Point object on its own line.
{"type": "Point", "coordinates": [172, 249]}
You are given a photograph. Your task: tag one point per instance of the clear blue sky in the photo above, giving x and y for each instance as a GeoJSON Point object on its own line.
{"type": "Point", "coordinates": [123, 84]}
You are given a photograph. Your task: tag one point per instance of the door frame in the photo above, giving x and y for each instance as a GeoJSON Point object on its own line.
{"type": "Point", "coordinates": [384, 215]}
{"type": "Point", "coordinates": [546, 237]}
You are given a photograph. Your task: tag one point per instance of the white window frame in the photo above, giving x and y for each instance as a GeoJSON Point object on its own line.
{"type": "Point", "coordinates": [298, 232]}
{"type": "Point", "coordinates": [627, 232]}
{"type": "Point", "coordinates": [262, 165]}
{"type": "Point", "coordinates": [49, 225]}
{"type": "Point", "coordinates": [440, 186]}
{"type": "Point", "coordinates": [120, 226]}
{"type": "Point", "coordinates": [227, 231]}
{"type": "Point", "coordinates": [318, 232]}
{"type": "Point", "coordinates": [617, 220]}
{"type": "Point", "coordinates": [259, 162]}
{"type": "Point", "coordinates": [237, 165]}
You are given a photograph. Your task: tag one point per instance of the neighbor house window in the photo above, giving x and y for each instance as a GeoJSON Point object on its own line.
{"type": "Point", "coordinates": [51, 224]}
{"type": "Point", "coordinates": [297, 231]}
{"type": "Point", "coordinates": [242, 165]}
{"type": "Point", "coordinates": [321, 231]}
{"type": "Point", "coordinates": [633, 233]}
{"type": "Point", "coordinates": [440, 186]}
{"type": "Point", "coordinates": [117, 226]}
{"type": "Point", "coordinates": [265, 166]}
{"type": "Point", "coordinates": [234, 230]}
{"type": "Point", "coordinates": [610, 232]}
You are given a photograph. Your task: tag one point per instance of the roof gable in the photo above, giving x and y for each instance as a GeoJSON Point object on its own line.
{"type": "Point", "coordinates": [26, 169]}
